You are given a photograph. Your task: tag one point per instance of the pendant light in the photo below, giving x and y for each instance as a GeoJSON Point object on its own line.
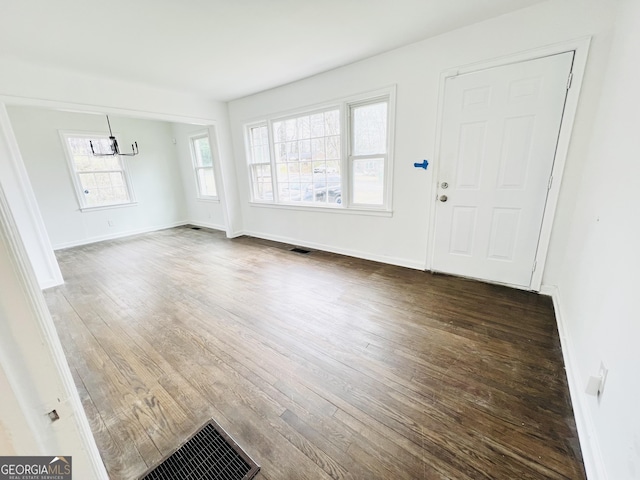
{"type": "Point", "coordinates": [113, 144]}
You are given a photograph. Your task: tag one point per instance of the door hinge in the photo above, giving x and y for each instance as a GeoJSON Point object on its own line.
{"type": "Point", "coordinates": [550, 183]}
{"type": "Point", "coordinates": [535, 264]}
{"type": "Point", "coordinates": [569, 80]}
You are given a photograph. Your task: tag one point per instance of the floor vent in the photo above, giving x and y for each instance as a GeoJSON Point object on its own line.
{"type": "Point", "coordinates": [195, 228]}
{"type": "Point", "coordinates": [302, 251]}
{"type": "Point", "coordinates": [209, 454]}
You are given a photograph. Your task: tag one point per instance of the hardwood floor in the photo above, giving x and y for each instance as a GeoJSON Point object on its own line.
{"type": "Point", "coordinates": [320, 366]}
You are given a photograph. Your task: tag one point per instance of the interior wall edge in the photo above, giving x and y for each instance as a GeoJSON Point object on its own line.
{"type": "Point", "coordinates": [103, 109]}
{"type": "Point", "coordinates": [24, 206]}
{"type": "Point", "coordinates": [589, 444]}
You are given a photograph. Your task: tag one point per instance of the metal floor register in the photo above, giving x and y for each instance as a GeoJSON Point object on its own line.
{"type": "Point", "coordinates": [209, 454]}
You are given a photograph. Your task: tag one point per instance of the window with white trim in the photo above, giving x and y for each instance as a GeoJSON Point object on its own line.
{"type": "Point", "coordinates": [202, 158]}
{"type": "Point", "coordinates": [99, 181]}
{"type": "Point", "coordinates": [336, 156]}
{"type": "Point", "coordinates": [368, 125]}
{"type": "Point", "coordinates": [259, 163]}
{"type": "Point", "coordinates": [308, 157]}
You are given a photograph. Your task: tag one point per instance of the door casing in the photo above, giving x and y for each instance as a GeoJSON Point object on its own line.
{"type": "Point", "coordinates": [580, 47]}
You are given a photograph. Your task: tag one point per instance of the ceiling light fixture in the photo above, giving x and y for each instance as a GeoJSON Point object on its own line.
{"type": "Point", "coordinates": [113, 143]}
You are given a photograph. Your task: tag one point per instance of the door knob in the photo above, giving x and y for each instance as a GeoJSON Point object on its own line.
{"type": "Point", "coordinates": [443, 198]}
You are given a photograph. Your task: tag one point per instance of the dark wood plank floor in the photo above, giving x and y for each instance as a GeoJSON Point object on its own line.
{"type": "Point", "coordinates": [320, 366]}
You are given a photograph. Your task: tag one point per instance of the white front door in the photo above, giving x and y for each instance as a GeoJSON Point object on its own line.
{"type": "Point", "coordinates": [499, 135]}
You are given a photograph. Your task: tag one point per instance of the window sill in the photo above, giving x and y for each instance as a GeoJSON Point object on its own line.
{"type": "Point", "coordinates": [108, 207]}
{"type": "Point", "coordinates": [324, 209]}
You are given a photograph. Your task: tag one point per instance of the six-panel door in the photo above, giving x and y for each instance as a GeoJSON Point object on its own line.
{"type": "Point", "coordinates": [499, 137]}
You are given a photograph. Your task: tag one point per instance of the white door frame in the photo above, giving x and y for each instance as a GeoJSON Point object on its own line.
{"type": "Point", "coordinates": [580, 47]}
{"type": "Point", "coordinates": [35, 365]}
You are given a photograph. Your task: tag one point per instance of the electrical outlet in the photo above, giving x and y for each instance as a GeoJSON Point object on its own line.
{"type": "Point", "coordinates": [595, 385]}
{"type": "Point", "coordinates": [602, 373]}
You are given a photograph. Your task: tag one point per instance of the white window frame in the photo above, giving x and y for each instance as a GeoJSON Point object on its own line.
{"type": "Point", "coordinates": [250, 163]}
{"type": "Point", "coordinates": [274, 162]}
{"type": "Point", "coordinates": [75, 175]}
{"type": "Point", "coordinates": [344, 106]}
{"type": "Point", "coordinates": [387, 156]}
{"type": "Point", "coordinates": [197, 168]}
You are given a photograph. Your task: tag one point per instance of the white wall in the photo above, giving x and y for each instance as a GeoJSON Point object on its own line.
{"type": "Point", "coordinates": [203, 212]}
{"type": "Point", "coordinates": [595, 261]}
{"type": "Point", "coordinates": [15, 434]}
{"type": "Point", "coordinates": [416, 71]}
{"type": "Point", "coordinates": [154, 173]}
{"type": "Point", "coordinates": [15, 182]}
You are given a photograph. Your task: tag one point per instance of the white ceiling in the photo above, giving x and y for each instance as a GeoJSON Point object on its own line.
{"type": "Point", "coordinates": [223, 49]}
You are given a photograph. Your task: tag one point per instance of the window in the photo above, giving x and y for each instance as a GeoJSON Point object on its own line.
{"type": "Point", "coordinates": [308, 157]}
{"type": "Point", "coordinates": [368, 152]}
{"type": "Point", "coordinates": [99, 181]}
{"type": "Point", "coordinates": [316, 160]}
{"type": "Point", "coordinates": [203, 164]}
{"type": "Point", "coordinates": [260, 163]}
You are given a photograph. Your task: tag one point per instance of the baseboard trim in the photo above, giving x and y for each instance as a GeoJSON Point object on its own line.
{"type": "Point", "coordinates": [400, 262]}
{"type": "Point", "coordinates": [212, 226]}
{"type": "Point", "coordinates": [50, 283]}
{"type": "Point", "coordinates": [589, 444]}
{"type": "Point", "coordinates": [128, 233]}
